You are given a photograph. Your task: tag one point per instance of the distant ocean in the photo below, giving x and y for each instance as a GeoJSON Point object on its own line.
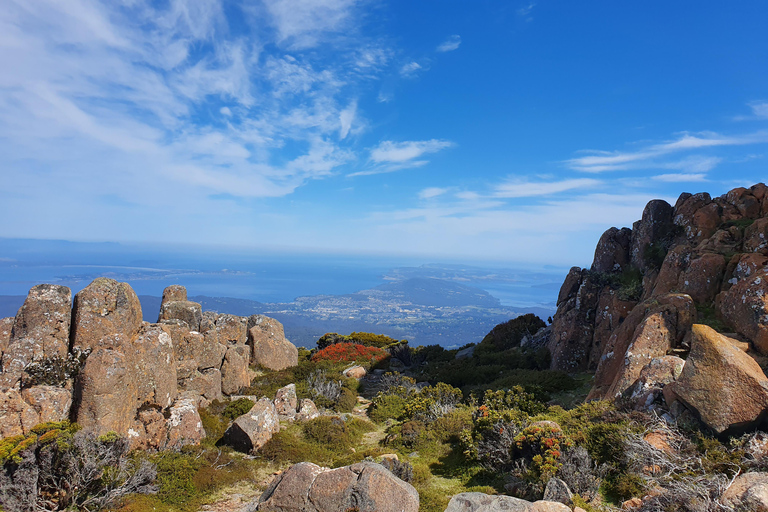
{"type": "Point", "coordinates": [263, 277]}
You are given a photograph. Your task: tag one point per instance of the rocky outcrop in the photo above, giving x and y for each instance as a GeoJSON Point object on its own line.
{"type": "Point", "coordinates": [479, 502]}
{"type": "Point", "coordinates": [40, 330]}
{"type": "Point", "coordinates": [652, 329]}
{"type": "Point", "coordinates": [187, 311]}
{"type": "Point", "coordinates": [618, 317]}
{"type": "Point", "coordinates": [723, 385]}
{"type": "Point", "coordinates": [234, 371]}
{"type": "Point", "coordinates": [649, 386]}
{"type": "Point", "coordinates": [269, 347]}
{"type": "Point", "coordinates": [104, 308]}
{"type": "Point", "coordinates": [253, 429]}
{"type": "Point", "coordinates": [365, 486]}
{"type": "Point", "coordinates": [745, 307]}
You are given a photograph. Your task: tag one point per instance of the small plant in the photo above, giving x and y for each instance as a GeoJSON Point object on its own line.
{"type": "Point", "coordinates": [386, 406]}
{"type": "Point", "coordinates": [237, 408]}
{"type": "Point", "coordinates": [543, 445]}
{"type": "Point", "coordinates": [55, 370]}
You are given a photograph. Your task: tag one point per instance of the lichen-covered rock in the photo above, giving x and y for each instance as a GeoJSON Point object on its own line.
{"type": "Point", "coordinates": [653, 377]}
{"type": "Point", "coordinates": [269, 347]}
{"type": "Point", "coordinates": [612, 251]}
{"type": "Point", "coordinates": [610, 313]}
{"type": "Point", "coordinates": [234, 372]}
{"type": "Point", "coordinates": [479, 502]}
{"type": "Point", "coordinates": [231, 329]}
{"type": "Point", "coordinates": [6, 327]}
{"type": "Point", "coordinates": [748, 491]}
{"type": "Point", "coordinates": [649, 332]}
{"type": "Point", "coordinates": [106, 392]}
{"type": "Point", "coordinates": [655, 224]}
{"type": "Point", "coordinates": [745, 308]}
{"type": "Point", "coordinates": [184, 425]}
{"type": "Point", "coordinates": [756, 237]}
{"type": "Point", "coordinates": [17, 417]}
{"type": "Point", "coordinates": [184, 310]}
{"type": "Point", "coordinates": [286, 402]}
{"type": "Point", "coordinates": [253, 429]}
{"type": "Point", "coordinates": [206, 383]}
{"type": "Point", "coordinates": [557, 490]}
{"type": "Point", "coordinates": [723, 385]}
{"type": "Point", "coordinates": [174, 293]}
{"type": "Point", "coordinates": [103, 308]}
{"type": "Point", "coordinates": [40, 330]}
{"type": "Point", "coordinates": [307, 410]}
{"type": "Point", "coordinates": [153, 366]}
{"type": "Point", "coordinates": [52, 403]}
{"type": "Point", "coordinates": [573, 326]}
{"type": "Point", "coordinates": [365, 486]}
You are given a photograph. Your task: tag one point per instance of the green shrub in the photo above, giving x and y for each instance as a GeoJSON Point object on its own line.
{"type": "Point", "coordinates": [384, 407]}
{"type": "Point", "coordinates": [346, 402]}
{"type": "Point", "coordinates": [214, 426]}
{"type": "Point", "coordinates": [432, 402]}
{"type": "Point", "coordinates": [175, 474]}
{"type": "Point", "coordinates": [509, 334]}
{"type": "Point", "coordinates": [237, 408]}
{"type": "Point", "coordinates": [330, 430]}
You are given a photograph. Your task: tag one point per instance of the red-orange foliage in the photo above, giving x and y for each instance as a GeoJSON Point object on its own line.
{"type": "Point", "coordinates": [347, 352]}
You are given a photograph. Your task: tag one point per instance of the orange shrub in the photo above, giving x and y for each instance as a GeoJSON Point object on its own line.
{"type": "Point", "coordinates": [348, 352]}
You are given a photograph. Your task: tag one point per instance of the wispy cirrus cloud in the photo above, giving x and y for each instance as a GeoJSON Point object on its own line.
{"type": "Point", "coordinates": [654, 156]}
{"type": "Point", "coordinates": [410, 69]}
{"type": "Point", "coordinates": [390, 156]}
{"type": "Point", "coordinates": [517, 187]}
{"type": "Point", "coordinates": [526, 10]}
{"type": "Point", "coordinates": [450, 44]}
{"type": "Point", "coordinates": [432, 192]}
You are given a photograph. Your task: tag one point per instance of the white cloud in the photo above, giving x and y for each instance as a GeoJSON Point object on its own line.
{"type": "Point", "coordinates": [410, 69]}
{"type": "Point", "coordinates": [524, 188]}
{"type": "Point", "coordinates": [526, 10]}
{"type": "Point", "coordinates": [401, 152]}
{"type": "Point", "coordinates": [226, 111]}
{"type": "Point", "coordinates": [680, 177]}
{"type": "Point", "coordinates": [759, 109]}
{"type": "Point", "coordinates": [432, 192]}
{"type": "Point", "coordinates": [450, 44]}
{"type": "Point", "coordinates": [346, 117]}
{"type": "Point", "coordinates": [302, 23]}
{"type": "Point", "coordinates": [650, 157]}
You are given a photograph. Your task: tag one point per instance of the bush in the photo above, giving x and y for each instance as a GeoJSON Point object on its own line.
{"type": "Point", "coordinates": [361, 338]}
{"type": "Point", "coordinates": [346, 402]}
{"type": "Point", "coordinates": [324, 390]}
{"type": "Point", "coordinates": [175, 474]}
{"type": "Point", "coordinates": [350, 352]}
{"type": "Point", "coordinates": [509, 334]}
{"type": "Point", "coordinates": [543, 445]}
{"type": "Point", "coordinates": [330, 430]}
{"type": "Point", "coordinates": [385, 406]}
{"type": "Point", "coordinates": [432, 402]}
{"type": "Point", "coordinates": [58, 467]}
{"type": "Point", "coordinates": [235, 409]}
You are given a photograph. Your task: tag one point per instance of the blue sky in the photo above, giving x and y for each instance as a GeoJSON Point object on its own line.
{"type": "Point", "coordinates": [506, 130]}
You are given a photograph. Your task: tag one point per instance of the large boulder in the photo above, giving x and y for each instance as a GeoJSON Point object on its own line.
{"type": "Point", "coordinates": [6, 327]}
{"type": "Point", "coordinates": [174, 293]}
{"type": "Point", "coordinates": [653, 328]}
{"type": "Point", "coordinates": [52, 403]}
{"type": "Point", "coordinates": [154, 366]}
{"type": "Point", "coordinates": [103, 308]}
{"type": "Point", "coordinates": [206, 383]}
{"type": "Point", "coordinates": [573, 326]}
{"type": "Point", "coordinates": [253, 429]}
{"type": "Point", "coordinates": [307, 410]}
{"type": "Point", "coordinates": [612, 251]}
{"type": "Point", "coordinates": [655, 224]}
{"type": "Point", "coordinates": [748, 491]}
{"type": "Point", "coordinates": [40, 330]}
{"type": "Point", "coordinates": [17, 417]}
{"type": "Point", "coordinates": [234, 371]}
{"type": "Point", "coordinates": [653, 377]}
{"type": "Point", "coordinates": [479, 502]}
{"type": "Point", "coordinates": [185, 310]}
{"type": "Point", "coordinates": [106, 392]}
{"type": "Point", "coordinates": [745, 308]}
{"type": "Point", "coordinates": [231, 329]}
{"type": "Point", "coordinates": [269, 347]}
{"type": "Point", "coordinates": [365, 486]}
{"type": "Point", "coordinates": [723, 385]}
{"type": "Point", "coordinates": [286, 402]}
{"type": "Point", "coordinates": [184, 425]}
